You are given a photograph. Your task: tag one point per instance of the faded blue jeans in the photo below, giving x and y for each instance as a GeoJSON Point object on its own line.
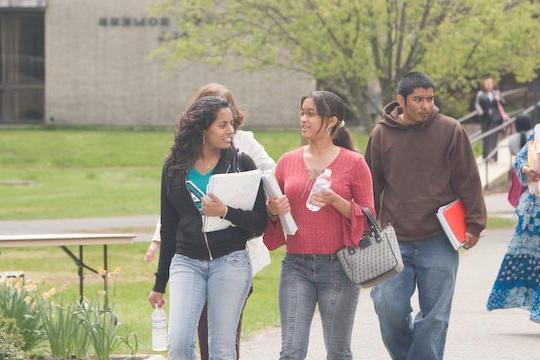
{"type": "Point", "coordinates": [308, 280]}
{"type": "Point", "coordinates": [431, 265]}
{"type": "Point", "coordinates": [223, 284]}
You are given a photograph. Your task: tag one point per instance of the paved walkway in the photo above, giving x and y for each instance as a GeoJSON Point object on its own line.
{"type": "Point", "coordinates": [474, 333]}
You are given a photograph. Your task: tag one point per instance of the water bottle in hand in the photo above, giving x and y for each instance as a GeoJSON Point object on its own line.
{"type": "Point", "coordinates": [322, 183]}
{"type": "Point", "coordinates": [159, 329]}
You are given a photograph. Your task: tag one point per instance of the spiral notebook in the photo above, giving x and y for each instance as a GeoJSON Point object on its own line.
{"type": "Point", "coordinates": [452, 219]}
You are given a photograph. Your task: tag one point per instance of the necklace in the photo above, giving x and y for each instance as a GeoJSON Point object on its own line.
{"type": "Point", "coordinates": [204, 165]}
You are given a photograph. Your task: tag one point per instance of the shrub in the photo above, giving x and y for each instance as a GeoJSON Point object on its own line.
{"type": "Point", "coordinates": [8, 349]}
{"type": "Point", "coordinates": [9, 326]}
{"type": "Point", "coordinates": [17, 302]}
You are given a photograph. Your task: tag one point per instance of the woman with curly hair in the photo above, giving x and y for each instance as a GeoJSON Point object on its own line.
{"type": "Point", "coordinates": [212, 267]}
{"type": "Point", "coordinates": [245, 142]}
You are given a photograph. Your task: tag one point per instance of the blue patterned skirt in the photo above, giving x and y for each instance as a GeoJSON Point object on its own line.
{"type": "Point", "coordinates": [518, 282]}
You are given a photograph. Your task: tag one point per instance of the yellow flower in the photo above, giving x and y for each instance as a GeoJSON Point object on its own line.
{"type": "Point", "coordinates": [48, 294]}
{"type": "Point", "coordinates": [102, 272]}
{"type": "Point", "coordinates": [28, 299]}
{"type": "Point", "coordinates": [30, 287]}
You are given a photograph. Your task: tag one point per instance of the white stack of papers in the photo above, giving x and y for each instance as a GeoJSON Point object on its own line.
{"type": "Point", "coordinates": [237, 190]}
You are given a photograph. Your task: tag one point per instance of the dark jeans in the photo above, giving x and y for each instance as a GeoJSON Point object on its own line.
{"type": "Point", "coordinates": [203, 332]}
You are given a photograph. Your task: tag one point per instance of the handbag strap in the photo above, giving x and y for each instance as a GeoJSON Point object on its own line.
{"type": "Point", "coordinates": [375, 228]}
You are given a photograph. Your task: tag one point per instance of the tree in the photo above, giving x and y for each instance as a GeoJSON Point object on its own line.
{"type": "Point", "coordinates": [348, 44]}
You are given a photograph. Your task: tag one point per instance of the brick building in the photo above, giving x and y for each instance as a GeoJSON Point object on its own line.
{"type": "Point", "coordinates": [81, 62]}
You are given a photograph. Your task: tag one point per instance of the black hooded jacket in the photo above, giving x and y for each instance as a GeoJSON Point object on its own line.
{"type": "Point", "coordinates": [181, 221]}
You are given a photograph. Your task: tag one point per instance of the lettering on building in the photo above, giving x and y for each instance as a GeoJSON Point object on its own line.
{"type": "Point", "coordinates": [127, 21]}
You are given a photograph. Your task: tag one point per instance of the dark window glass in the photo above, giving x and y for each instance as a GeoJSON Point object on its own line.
{"type": "Point", "coordinates": [29, 105]}
{"type": "Point", "coordinates": [31, 51]}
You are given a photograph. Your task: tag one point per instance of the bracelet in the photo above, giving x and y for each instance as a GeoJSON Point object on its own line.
{"type": "Point", "coordinates": [226, 211]}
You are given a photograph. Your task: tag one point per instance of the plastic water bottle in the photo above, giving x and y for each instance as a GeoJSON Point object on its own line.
{"type": "Point", "coordinates": [321, 184]}
{"type": "Point", "coordinates": [159, 329]}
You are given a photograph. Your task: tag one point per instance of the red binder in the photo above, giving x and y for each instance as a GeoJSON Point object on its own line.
{"type": "Point", "coordinates": [452, 219]}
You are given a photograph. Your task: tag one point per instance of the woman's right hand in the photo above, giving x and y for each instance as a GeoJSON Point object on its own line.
{"type": "Point", "coordinates": [156, 299]}
{"type": "Point", "coordinates": [278, 205]}
{"type": "Point", "coordinates": [532, 175]}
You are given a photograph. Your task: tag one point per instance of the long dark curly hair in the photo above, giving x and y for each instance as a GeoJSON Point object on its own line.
{"type": "Point", "coordinates": [190, 130]}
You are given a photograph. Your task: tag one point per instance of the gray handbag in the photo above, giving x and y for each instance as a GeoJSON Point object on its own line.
{"type": "Point", "coordinates": [376, 259]}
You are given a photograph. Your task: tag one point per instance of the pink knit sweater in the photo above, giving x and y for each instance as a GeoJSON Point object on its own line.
{"type": "Point", "coordinates": [325, 231]}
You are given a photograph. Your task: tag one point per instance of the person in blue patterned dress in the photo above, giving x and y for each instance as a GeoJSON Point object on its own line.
{"type": "Point", "coordinates": [518, 282]}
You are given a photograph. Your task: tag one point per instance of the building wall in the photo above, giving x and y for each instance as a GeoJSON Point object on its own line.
{"type": "Point", "coordinates": [98, 71]}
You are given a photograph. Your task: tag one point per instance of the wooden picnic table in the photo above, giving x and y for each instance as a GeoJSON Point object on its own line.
{"type": "Point", "coordinates": [65, 240]}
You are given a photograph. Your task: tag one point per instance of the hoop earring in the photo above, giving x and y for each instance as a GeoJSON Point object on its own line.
{"type": "Point", "coordinates": [328, 131]}
{"type": "Point", "coordinates": [204, 139]}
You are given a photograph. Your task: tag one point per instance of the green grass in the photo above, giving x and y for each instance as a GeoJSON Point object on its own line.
{"type": "Point", "coordinates": [495, 222]}
{"type": "Point", "coordinates": [68, 173]}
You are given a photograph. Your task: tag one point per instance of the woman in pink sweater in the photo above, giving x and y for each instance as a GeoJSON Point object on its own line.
{"type": "Point", "coordinates": [311, 273]}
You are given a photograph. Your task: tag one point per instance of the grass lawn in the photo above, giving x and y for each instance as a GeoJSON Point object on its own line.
{"type": "Point", "coordinates": [68, 173]}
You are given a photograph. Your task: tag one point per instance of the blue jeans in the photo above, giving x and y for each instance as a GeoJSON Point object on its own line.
{"type": "Point", "coordinates": [308, 280]}
{"type": "Point", "coordinates": [431, 265]}
{"type": "Point", "coordinates": [223, 284]}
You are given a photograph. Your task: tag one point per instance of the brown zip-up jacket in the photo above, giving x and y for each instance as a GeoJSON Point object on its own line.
{"type": "Point", "coordinates": [417, 169]}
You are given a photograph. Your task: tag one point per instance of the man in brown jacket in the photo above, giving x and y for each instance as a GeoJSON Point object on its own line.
{"type": "Point", "coordinates": [421, 160]}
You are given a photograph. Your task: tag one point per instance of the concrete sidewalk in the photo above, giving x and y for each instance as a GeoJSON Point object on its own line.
{"type": "Point", "coordinates": [474, 333]}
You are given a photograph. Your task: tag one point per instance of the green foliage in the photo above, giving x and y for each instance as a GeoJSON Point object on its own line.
{"type": "Point", "coordinates": [63, 328]}
{"type": "Point", "coordinates": [102, 326]}
{"type": "Point", "coordinates": [8, 347]}
{"type": "Point", "coordinates": [348, 45]}
{"type": "Point", "coordinates": [17, 303]}
{"type": "Point", "coordinates": [9, 326]}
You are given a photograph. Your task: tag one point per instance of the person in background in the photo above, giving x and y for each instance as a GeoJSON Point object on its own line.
{"type": "Point", "coordinates": [245, 142]}
{"type": "Point", "coordinates": [517, 140]}
{"type": "Point", "coordinates": [421, 160]}
{"type": "Point", "coordinates": [518, 282]}
{"type": "Point", "coordinates": [488, 104]}
{"type": "Point", "coordinates": [311, 274]}
{"type": "Point", "coordinates": [201, 268]}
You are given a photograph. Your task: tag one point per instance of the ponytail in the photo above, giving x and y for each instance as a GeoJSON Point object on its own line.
{"type": "Point", "coordinates": [342, 137]}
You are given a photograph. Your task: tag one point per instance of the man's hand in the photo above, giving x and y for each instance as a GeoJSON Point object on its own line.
{"type": "Point", "coordinates": [470, 241]}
